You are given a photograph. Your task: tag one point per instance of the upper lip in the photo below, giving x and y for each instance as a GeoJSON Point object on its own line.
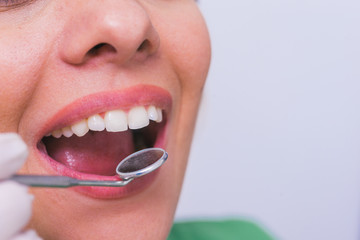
{"type": "Point", "coordinates": [139, 95]}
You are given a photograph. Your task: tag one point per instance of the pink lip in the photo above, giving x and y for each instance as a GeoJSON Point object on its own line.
{"type": "Point", "coordinates": [140, 95]}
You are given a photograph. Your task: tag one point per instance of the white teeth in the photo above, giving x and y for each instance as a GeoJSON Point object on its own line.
{"type": "Point", "coordinates": [80, 128]}
{"type": "Point", "coordinates": [160, 117]}
{"type": "Point", "coordinates": [57, 133]}
{"type": "Point", "coordinates": [67, 132]}
{"type": "Point", "coordinates": [152, 113]}
{"type": "Point", "coordinates": [96, 123]}
{"type": "Point", "coordinates": [138, 118]}
{"type": "Point", "coordinates": [116, 121]}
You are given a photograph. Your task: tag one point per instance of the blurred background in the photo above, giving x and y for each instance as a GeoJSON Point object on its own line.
{"type": "Point", "coordinates": [277, 140]}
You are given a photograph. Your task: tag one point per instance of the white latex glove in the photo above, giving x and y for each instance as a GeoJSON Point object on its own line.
{"type": "Point", "coordinates": [15, 201]}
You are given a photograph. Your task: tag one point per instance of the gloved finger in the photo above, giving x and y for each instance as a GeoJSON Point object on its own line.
{"type": "Point", "coordinates": [13, 153]}
{"type": "Point", "coordinates": [15, 208]}
{"type": "Point", "coordinates": [28, 235]}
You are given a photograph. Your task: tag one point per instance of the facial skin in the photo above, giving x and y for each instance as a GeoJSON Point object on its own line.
{"type": "Point", "coordinates": [48, 62]}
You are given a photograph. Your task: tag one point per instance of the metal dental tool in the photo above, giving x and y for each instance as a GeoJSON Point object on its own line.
{"type": "Point", "coordinates": [133, 166]}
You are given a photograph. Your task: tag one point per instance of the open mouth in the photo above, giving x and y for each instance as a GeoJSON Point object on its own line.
{"type": "Point", "coordinates": [96, 145]}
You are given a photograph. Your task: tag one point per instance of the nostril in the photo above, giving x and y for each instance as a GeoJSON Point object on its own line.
{"type": "Point", "coordinates": [143, 46]}
{"type": "Point", "coordinates": [101, 47]}
{"type": "Point", "coordinates": [98, 46]}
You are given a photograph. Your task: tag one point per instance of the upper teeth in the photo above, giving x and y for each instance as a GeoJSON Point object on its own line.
{"type": "Point", "coordinates": [113, 121]}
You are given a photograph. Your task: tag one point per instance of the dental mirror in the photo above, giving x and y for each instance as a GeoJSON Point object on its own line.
{"type": "Point", "coordinates": [141, 163]}
{"type": "Point", "coordinates": [133, 166]}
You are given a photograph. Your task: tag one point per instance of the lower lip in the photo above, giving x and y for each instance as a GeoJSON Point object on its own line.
{"type": "Point", "coordinates": [137, 185]}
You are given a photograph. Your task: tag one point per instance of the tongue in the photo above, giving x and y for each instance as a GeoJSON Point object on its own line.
{"type": "Point", "coordinates": [96, 152]}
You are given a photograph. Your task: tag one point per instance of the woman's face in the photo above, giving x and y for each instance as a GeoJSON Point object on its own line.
{"type": "Point", "coordinates": [67, 66]}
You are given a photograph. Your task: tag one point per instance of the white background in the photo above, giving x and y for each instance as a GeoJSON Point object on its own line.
{"type": "Point", "coordinates": [278, 135]}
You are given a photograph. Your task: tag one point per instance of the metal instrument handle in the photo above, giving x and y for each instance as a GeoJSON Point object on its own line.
{"type": "Point", "coordinates": [64, 182]}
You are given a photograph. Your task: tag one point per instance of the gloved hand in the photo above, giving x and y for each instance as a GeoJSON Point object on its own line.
{"type": "Point", "coordinates": [15, 201]}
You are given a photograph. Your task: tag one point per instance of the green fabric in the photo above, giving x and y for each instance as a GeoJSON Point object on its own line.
{"type": "Point", "coordinates": [217, 230]}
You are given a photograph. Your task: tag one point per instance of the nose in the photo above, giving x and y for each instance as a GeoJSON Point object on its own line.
{"type": "Point", "coordinates": [110, 30]}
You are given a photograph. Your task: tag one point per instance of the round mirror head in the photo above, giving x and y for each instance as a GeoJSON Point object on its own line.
{"type": "Point", "coordinates": [141, 163]}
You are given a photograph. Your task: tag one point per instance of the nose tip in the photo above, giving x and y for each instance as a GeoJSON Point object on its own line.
{"type": "Point", "coordinates": [109, 34]}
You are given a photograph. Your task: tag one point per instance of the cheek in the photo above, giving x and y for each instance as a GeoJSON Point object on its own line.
{"type": "Point", "coordinates": [191, 53]}
{"type": "Point", "coordinates": [20, 63]}
{"type": "Point", "coordinates": [185, 43]}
